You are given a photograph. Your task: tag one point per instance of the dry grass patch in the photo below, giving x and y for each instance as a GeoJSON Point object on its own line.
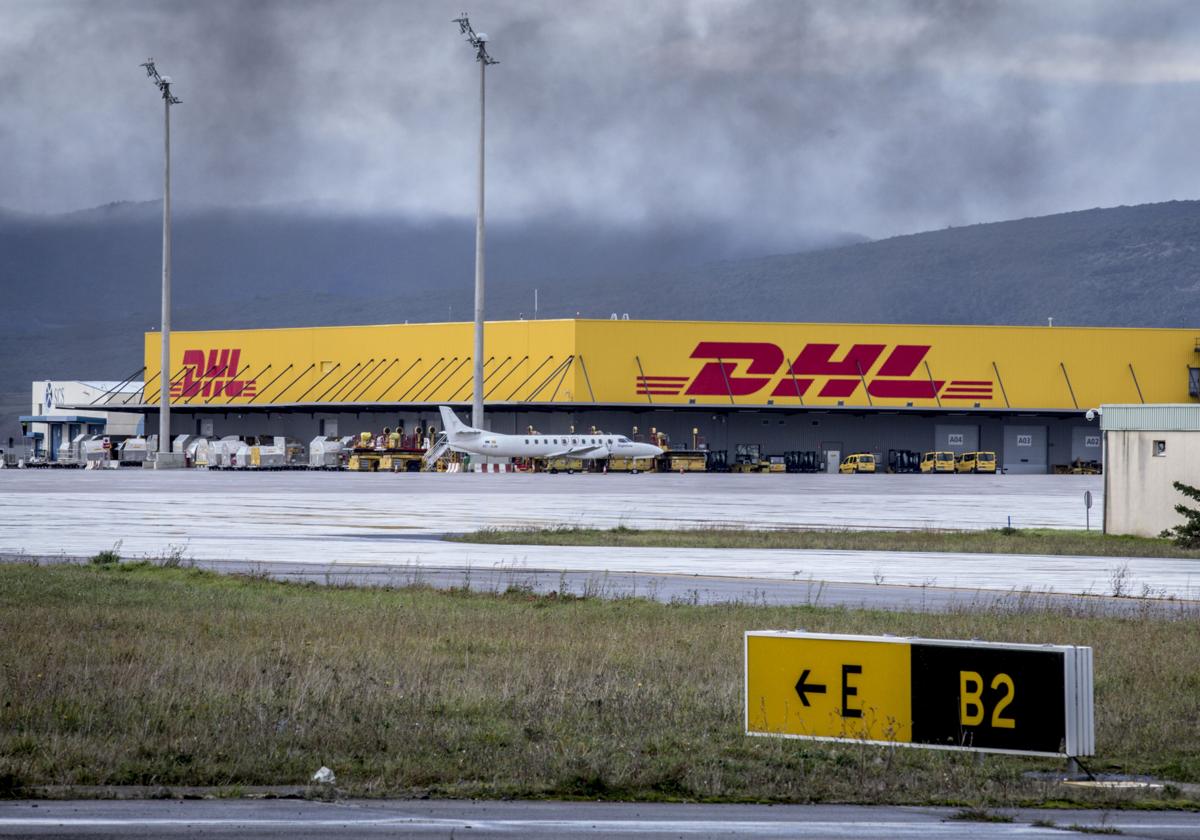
{"type": "Point", "coordinates": [131, 674]}
{"type": "Point", "coordinates": [993, 541]}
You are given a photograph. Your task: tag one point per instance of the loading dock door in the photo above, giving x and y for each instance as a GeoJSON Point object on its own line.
{"type": "Point", "coordinates": [958, 439]}
{"type": "Point", "coordinates": [833, 454]}
{"type": "Point", "coordinates": [1025, 449]}
{"type": "Point", "coordinates": [1085, 443]}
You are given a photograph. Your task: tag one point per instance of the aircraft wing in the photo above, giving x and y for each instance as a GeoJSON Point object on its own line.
{"type": "Point", "coordinates": [577, 452]}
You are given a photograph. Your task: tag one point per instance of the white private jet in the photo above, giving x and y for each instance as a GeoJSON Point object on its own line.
{"type": "Point", "coordinates": [463, 438]}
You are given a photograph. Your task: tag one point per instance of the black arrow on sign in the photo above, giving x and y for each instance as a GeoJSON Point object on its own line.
{"type": "Point", "coordinates": [804, 687]}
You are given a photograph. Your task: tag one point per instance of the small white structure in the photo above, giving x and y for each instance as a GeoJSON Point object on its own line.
{"type": "Point", "coordinates": [1147, 448]}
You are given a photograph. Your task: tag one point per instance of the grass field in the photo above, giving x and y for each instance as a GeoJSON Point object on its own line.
{"type": "Point", "coordinates": [1003, 541]}
{"type": "Point", "coordinates": [135, 674]}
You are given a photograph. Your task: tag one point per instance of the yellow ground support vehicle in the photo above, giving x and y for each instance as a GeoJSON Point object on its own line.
{"type": "Point", "coordinates": [683, 460]}
{"type": "Point", "coordinates": [976, 462]}
{"type": "Point", "coordinates": [937, 462]}
{"type": "Point", "coordinates": [859, 462]}
{"type": "Point", "coordinates": [630, 465]}
{"type": "Point", "coordinates": [561, 464]}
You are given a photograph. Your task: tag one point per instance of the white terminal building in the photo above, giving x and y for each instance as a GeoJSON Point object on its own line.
{"type": "Point", "coordinates": [61, 410]}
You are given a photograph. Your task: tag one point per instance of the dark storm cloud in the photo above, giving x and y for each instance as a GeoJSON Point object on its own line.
{"type": "Point", "coordinates": [766, 116]}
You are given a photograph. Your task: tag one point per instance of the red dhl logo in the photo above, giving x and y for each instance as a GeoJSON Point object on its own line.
{"type": "Point", "coordinates": [213, 377]}
{"type": "Point", "coordinates": [839, 378]}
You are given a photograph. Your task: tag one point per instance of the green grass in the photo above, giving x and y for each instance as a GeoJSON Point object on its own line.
{"type": "Point", "coordinates": [996, 541]}
{"type": "Point", "coordinates": [133, 674]}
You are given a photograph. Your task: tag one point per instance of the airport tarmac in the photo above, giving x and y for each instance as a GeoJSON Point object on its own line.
{"type": "Point", "coordinates": [440, 503]}
{"type": "Point", "coordinates": [335, 519]}
{"type": "Point", "coordinates": [596, 820]}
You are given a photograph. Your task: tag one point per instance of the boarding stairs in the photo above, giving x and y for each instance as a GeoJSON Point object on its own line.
{"type": "Point", "coordinates": [440, 445]}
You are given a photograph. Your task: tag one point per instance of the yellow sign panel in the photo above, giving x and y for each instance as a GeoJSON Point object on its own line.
{"type": "Point", "coordinates": [668, 363]}
{"type": "Point", "coordinates": [828, 688]}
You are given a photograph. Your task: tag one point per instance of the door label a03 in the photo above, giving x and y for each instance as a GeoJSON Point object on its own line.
{"type": "Point", "coordinates": [919, 692]}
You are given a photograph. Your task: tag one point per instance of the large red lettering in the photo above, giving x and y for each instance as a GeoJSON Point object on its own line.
{"type": "Point", "coordinates": [903, 361]}
{"type": "Point", "coordinates": [212, 377]}
{"type": "Point", "coordinates": [716, 378]}
{"type": "Point", "coordinates": [817, 360]}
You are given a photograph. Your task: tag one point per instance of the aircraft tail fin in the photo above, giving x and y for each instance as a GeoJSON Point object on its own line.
{"type": "Point", "coordinates": [450, 422]}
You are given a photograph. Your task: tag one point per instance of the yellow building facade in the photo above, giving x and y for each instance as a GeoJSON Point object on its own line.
{"type": "Point", "coordinates": [681, 363]}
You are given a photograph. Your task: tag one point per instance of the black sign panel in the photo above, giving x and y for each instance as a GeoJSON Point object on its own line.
{"type": "Point", "coordinates": [991, 698]}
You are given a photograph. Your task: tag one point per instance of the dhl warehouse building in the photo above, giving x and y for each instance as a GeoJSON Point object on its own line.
{"type": "Point", "coordinates": [1022, 392]}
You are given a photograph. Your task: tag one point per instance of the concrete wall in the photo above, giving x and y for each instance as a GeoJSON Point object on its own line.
{"type": "Point", "coordinates": [1138, 496]}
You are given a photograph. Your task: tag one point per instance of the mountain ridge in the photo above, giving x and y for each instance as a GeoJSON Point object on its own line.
{"type": "Point", "coordinates": [80, 289]}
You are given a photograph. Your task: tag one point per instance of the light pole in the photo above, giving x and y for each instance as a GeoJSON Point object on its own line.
{"type": "Point", "coordinates": [163, 83]}
{"type": "Point", "coordinates": [479, 42]}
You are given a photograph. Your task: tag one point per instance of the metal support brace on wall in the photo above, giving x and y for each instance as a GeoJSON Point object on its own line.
{"type": "Point", "coordinates": [866, 390]}
{"type": "Point", "coordinates": [356, 379]}
{"type": "Point", "coordinates": [119, 385]}
{"type": "Point", "coordinates": [511, 371]}
{"type": "Point", "coordinates": [795, 384]}
{"type": "Point", "coordinates": [337, 383]}
{"type": "Point", "coordinates": [176, 378]}
{"type": "Point", "coordinates": [279, 396]}
{"type": "Point", "coordinates": [586, 378]}
{"type": "Point", "coordinates": [1135, 383]}
{"type": "Point", "coordinates": [421, 378]}
{"type": "Point", "coordinates": [271, 383]}
{"type": "Point", "coordinates": [397, 380]}
{"type": "Point", "coordinates": [933, 385]}
{"type": "Point", "coordinates": [645, 384]}
{"type": "Point", "coordinates": [355, 396]}
{"type": "Point", "coordinates": [999, 381]}
{"type": "Point", "coordinates": [1069, 388]}
{"type": "Point", "coordinates": [562, 378]}
{"type": "Point", "coordinates": [446, 378]}
{"type": "Point", "coordinates": [530, 376]}
{"type": "Point", "coordinates": [563, 364]}
{"type": "Point", "coordinates": [432, 379]}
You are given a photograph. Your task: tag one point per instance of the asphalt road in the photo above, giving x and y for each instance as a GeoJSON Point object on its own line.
{"type": "Point", "coordinates": [445, 819]}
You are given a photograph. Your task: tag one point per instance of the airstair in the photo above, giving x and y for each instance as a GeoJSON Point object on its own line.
{"type": "Point", "coordinates": [440, 445]}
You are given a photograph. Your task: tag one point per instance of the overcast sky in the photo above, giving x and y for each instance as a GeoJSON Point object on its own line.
{"type": "Point", "coordinates": [873, 117]}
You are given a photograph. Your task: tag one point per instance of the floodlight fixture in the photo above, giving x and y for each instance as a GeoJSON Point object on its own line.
{"type": "Point", "coordinates": [476, 40]}
{"type": "Point", "coordinates": [163, 83]}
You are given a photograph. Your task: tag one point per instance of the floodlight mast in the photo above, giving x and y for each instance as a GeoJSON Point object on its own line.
{"type": "Point", "coordinates": [163, 83]}
{"type": "Point", "coordinates": [479, 42]}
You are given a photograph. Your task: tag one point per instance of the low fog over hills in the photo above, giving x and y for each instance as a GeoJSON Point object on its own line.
{"type": "Point", "coordinates": [80, 288]}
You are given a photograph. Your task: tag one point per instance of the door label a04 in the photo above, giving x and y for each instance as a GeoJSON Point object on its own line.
{"type": "Point", "coordinates": [920, 692]}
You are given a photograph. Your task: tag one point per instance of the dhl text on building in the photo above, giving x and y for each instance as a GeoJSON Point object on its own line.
{"type": "Point", "coordinates": [835, 388]}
